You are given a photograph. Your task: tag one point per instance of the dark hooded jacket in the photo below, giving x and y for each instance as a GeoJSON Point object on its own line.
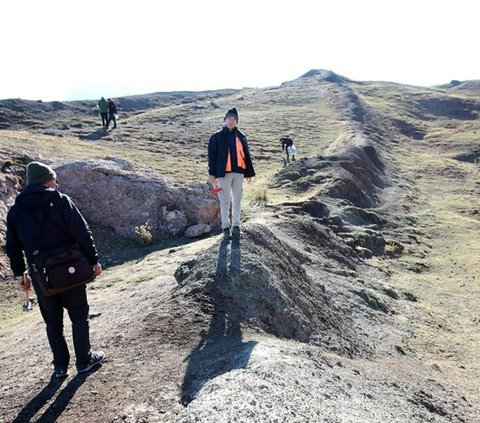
{"type": "Point", "coordinates": [112, 108]}
{"type": "Point", "coordinates": [41, 219]}
{"type": "Point", "coordinates": [218, 153]}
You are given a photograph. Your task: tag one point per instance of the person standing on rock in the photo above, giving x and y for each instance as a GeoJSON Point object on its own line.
{"type": "Point", "coordinates": [112, 113]}
{"type": "Point", "coordinates": [229, 165]}
{"type": "Point", "coordinates": [42, 218]}
{"type": "Point", "coordinates": [103, 107]}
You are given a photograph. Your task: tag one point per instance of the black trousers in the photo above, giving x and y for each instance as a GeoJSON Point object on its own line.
{"type": "Point", "coordinates": [110, 119]}
{"type": "Point", "coordinates": [104, 118]}
{"type": "Point", "coordinates": [75, 302]}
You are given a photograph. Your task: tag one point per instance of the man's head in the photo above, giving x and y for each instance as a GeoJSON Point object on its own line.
{"type": "Point", "coordinates": [231, 118]}
{"type": "Point", "coordinates": [39, 173]}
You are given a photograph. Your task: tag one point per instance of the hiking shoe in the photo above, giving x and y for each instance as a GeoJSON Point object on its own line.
{"type": "Point", "coordinates": [96, 357]}
{"type": "Point", "coordinates": [60, 371]}
{"type": "Point", "coordinates": [236, 232]}
{"type": "Point", "coordinates": [226, 233]}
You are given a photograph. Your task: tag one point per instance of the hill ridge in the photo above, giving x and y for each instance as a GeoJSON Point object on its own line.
{"type": "Point", "coordinates": [333, 297]}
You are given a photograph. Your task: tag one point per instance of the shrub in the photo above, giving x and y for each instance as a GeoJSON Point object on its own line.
{"type": "Point", "coordinates": [410, 296]}
{"type": "Point", "coordinates": [391, 293]}
{"type": "Point", "coordinates": [373, 300]}
{"type": "Point", "coordinates": [393, 248]}
{"type": "Point", "coordinates": [144, 233]}
{"type": "Point", "coordinates": [260, 197]}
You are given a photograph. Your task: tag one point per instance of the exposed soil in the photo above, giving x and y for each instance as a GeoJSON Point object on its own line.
{"type": "Point", "coordinates": [352, 295]}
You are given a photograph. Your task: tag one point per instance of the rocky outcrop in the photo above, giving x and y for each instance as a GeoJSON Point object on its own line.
{"type": "Point", "coordinates": [116, 194]}
{"type": "Point", "coordinates": [11, 174]}
{"type": "Point", "coordinates": [346, 192]}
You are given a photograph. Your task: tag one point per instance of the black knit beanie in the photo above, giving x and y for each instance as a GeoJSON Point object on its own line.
{"type": "Point", "coordinates": [232, 112]}
{"type": "Point", "coordinates": [38, 173]}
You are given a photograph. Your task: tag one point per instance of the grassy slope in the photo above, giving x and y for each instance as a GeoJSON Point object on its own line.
{"type": "Point", "coordinates": [173, 141]}
{"type": "Point", "coordinates": [449, 287]}
{"type": "Point", "coordinates": [447, 281]}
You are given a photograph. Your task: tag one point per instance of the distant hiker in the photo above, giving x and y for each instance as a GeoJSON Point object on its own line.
{"type": "Point", "coordinates": [103, 107]}
{"type": "Point", "coordinates": [112, 113]}
{"type": "Point", "coordinates": [292, 150]}
{"type": "Point", "coordinates": [287, 142]}
{"type": "Point", "coordinates": [229, 164]}
{"type": "Point", "coordinates": [42, 218]}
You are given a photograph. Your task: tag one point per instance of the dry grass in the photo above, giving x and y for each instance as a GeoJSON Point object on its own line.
{"type": "Point", "coordinates": [173, 140]}
{"type": "Point", "coordinates": [447, 286]}
{"type": "Point", "coordinates": [260, 197]}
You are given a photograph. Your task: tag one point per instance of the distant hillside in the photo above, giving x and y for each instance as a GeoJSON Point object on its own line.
{"type": "Point", "coordinates": [352, 295]}
{"type": "Point", "coordinates": [18, 113]}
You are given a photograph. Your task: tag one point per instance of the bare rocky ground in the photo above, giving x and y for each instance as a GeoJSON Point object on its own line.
{"type": "Point", "coordinates": [351, 297]}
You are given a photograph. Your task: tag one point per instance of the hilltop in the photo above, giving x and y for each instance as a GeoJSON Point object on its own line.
{"type": "Point", "coordinates": [352, 295]}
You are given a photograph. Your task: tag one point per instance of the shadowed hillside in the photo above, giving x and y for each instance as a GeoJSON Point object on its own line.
{"type": "Point", "coordinates": [351, 296]}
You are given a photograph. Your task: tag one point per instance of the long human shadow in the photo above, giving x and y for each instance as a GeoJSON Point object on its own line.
{"type": "Point", "coordinates": [95, 135]}
{"type": "Point", "coordinates": [221, 348]}
{"type": "Point", "coordinates": [57, 407]}
{"type": "Point", "coordinates": [37, 402]}
{"type": "Point", "coordinates": [235, 259]}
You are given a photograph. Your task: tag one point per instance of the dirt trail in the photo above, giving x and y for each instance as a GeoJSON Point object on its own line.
{"type": "Point", "coordinates": [171, 358]}
{"type": "Point", "coordinates": [138, 364]}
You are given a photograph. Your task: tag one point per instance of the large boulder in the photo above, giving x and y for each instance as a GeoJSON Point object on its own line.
{"type": "Point", "coordinates": [118, 194]}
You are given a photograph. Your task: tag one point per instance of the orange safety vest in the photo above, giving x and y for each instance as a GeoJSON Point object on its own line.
{"type": "Point", "coordinates": [240, 157]}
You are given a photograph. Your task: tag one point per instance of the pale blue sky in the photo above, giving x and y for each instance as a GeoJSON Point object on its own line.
{"type": "Point", "coordinates": [64, 50]}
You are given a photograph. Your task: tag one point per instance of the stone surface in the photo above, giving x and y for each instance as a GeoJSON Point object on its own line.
{"type": "Point", "coordinates": [197, 230]}
{"type": "Point", "coordinates": [115, 194]}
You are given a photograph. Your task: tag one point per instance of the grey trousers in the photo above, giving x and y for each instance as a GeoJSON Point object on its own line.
{"type": "Point", "coordinates": [231, 193]}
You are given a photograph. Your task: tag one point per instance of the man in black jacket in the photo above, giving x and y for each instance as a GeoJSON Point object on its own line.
{"type": "Point", "coordinates": [229, 164]}
{"type": "Point", "coordinates": [287, 142]}
{"type": "Point", "coordinates": [42, 218]}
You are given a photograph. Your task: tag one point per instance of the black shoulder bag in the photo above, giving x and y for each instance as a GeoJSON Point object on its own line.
{"type": "Point", "coordinates": [61, 269]}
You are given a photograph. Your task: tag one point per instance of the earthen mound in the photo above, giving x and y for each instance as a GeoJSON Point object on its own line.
{"type": "Point", "coordinates": [260, 284]}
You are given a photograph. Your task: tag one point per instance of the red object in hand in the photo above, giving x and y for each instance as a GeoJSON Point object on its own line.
{"type": "Point", "coordinates": [216, 190]}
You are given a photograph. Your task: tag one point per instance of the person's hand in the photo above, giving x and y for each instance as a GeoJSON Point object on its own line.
{"type": "Point", "coordinates": [97, 269]}
{"type": "Point", "coordinates": [248, 180]}
{"type": "Point", "coordinates": [211, 179]}
{"type": "Point", "coordinates": [24, 282]}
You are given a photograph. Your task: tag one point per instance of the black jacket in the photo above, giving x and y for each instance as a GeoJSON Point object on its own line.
{"type": "Point", "coordinates": [112, 108]}
{"type": "Point", "coordinates": [43, 218]}
{"type": "Point", "coordinates": [218, 153]}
